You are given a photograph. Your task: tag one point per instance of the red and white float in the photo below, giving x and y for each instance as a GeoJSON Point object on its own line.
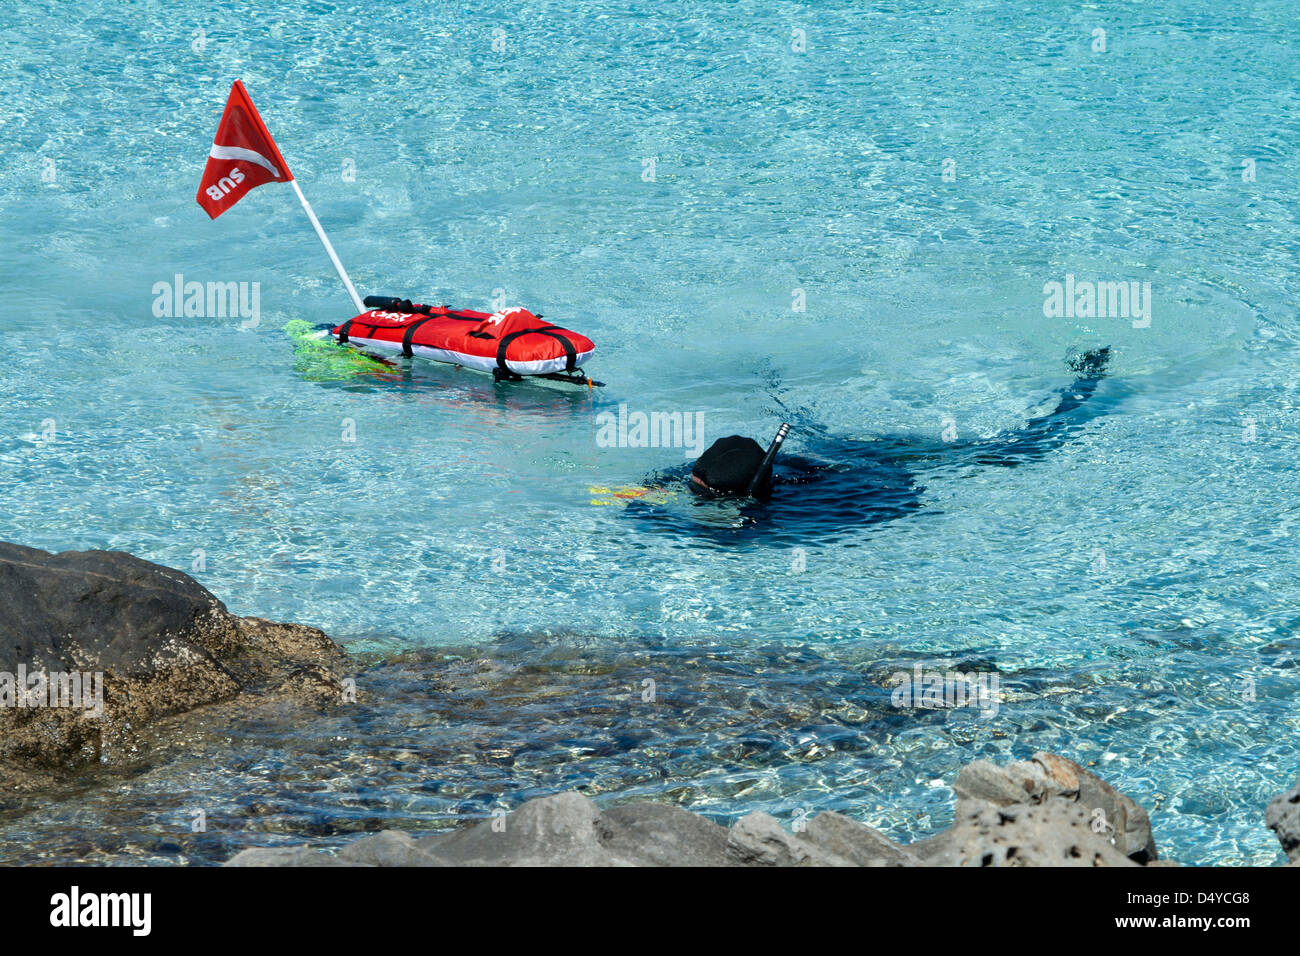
{"type": "Point", "coordinates": [511, 343]}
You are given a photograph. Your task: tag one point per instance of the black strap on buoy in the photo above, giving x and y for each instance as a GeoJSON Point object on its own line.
{"type": "Point", "coordinates": [571, 354]}
{"type": "Point", "coordinates": [410, 332]}
{"type": "Point", "coordinates": [766, 467]}
{"type": "Point", "coordinates": [343, 332]}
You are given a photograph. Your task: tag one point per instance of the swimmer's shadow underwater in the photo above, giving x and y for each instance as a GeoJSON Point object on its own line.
{"type": "Point", "coordinates": [730, 495]}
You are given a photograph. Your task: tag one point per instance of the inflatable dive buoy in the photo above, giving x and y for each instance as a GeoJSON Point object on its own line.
{"type": "Point", "coordinates": [510, 344]}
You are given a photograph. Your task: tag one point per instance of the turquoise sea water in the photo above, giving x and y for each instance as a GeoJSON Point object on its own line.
{"type": "Point", "coordinates": [1126, 588]}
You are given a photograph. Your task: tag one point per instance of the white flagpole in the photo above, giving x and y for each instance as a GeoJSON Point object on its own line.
{"type": "Point", "coordinates": [325, 241]}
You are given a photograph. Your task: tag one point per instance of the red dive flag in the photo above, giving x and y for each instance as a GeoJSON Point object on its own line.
{"type": "Point", "coordinates": [243, 156]}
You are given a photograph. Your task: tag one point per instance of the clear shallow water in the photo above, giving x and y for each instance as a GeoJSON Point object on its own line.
{"type": "Point", "coordinates": [775, 171]}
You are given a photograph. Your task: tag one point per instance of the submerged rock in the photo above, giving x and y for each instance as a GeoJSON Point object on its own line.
{"type": "Point", "coordinates": [96, 645]}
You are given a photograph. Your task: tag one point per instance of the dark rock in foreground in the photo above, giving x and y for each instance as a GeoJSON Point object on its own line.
{"type": "Point", "coordinates": [142, 642]}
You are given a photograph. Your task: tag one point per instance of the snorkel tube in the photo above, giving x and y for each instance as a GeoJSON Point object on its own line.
{"type": "Point", "coordinates": [765, 468]}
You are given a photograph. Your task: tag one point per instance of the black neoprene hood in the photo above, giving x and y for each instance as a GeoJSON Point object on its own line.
{"type": "Point", "coordinates": [729, 465]}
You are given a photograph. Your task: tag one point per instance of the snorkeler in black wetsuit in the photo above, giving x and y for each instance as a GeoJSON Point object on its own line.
{"type": "Point", "coordinates": [735, 494]}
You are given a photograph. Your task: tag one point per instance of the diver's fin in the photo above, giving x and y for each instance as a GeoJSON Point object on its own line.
{"type": "Point", "coordinates": [1091, 364]}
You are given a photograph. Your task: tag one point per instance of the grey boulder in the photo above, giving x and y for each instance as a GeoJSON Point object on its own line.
{"type": "Point", "coordinates": [1048, 777]}
{"type": "Point", "coordinates": [1283, 818]}
{"type": "Point", "coordinates": [1051, 833]}
{"type": "Point", "coordinates": [861, 845]}
{"type": "Point", "coordinates": [567, 829]}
